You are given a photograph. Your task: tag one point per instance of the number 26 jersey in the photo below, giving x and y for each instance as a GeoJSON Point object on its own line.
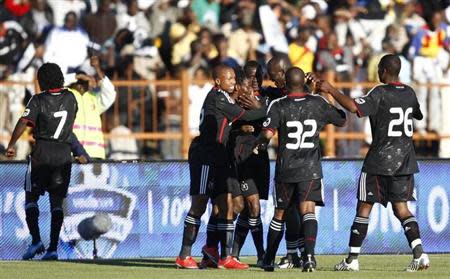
{"type": "Point", "coordinates": [391, 109]}
{"type": "Point", "coordinates": [299, 118]}
{"type": "Point", "coordinates": [52, 114]}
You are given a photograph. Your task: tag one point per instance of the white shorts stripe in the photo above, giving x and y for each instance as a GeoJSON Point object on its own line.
{"type": "Point", "coordinates": [28, 176]}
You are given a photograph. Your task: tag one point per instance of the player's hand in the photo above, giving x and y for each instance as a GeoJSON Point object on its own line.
{"type": "Point", "coordinates": [247, 128]}
{"type": "Point", "coordinates": [82, 159]}
{"type": "Point", "coordinates": [324, 86]}
{"type": "Point", "coordinates": [10, 152]}
{"type": "Point", "coordinates": [249, 102]}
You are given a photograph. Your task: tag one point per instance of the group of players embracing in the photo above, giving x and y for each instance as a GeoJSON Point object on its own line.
{"type": "Point", "coordinates": [229, 164]}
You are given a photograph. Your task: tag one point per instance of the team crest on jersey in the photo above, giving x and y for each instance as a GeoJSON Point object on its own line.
{"type": "Point", "coordinates": [83, 203]}
{"type": "Point", "coordinates": [244, 186]}
{"type": "Point", "coordinates": [267, 122]}
{"type": "Point", "coordinates": [26, 112]}
{"type": "Point", "coordinates": [360, 101]}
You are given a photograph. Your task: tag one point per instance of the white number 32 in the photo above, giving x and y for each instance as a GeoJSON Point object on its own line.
{"type": "Point", "coordinates": [300, 135]}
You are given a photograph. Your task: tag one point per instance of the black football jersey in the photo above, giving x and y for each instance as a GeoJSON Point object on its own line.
{"type": "Point", "coordinates": [299, 118]}
{"type": "Point", "coordinates": [219, 112]}
{"type": "Point", "coordinates": [272, 93]}
{"type": "Point", "coordinates": [391, 109]}
{"type": "Point", "coordinates": [52, 115]}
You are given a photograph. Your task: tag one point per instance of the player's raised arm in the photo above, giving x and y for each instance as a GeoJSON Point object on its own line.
{"type": "Point", "coordinates": [345, 101]}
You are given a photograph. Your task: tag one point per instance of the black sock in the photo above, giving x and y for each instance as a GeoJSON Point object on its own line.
{"type": "Point", "coordinates": [274, 236]}
{"type": "Point", "coordinates": [32, 218]}
{"type": "Point", "coordinates": [55, 228]}
{"type": "Point", "coordinates": [412, 233]}
{"type": "Point", "coordinates": [256, 228]}
{"type": "Point", "coordinates": [293, 226]}
{"type": "Point", "coordinates": [240, 234]}
{"type": "Point", "coordinates": [357, 235]}
{"type": "Point", "coordinates": [226, 229]}
{"type": "Point", "coordinates": [191, 226]}
{"type": "Point", "coordinates": [301, 242]}
{"type": "Point", "coordinates": [309, 225]}
{"type": "Point", "coordinates": [212, 240]}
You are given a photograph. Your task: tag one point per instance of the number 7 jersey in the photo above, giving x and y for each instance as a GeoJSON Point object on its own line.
{"type": "Point", "coordinates": [52, 114]}
{"type": "Point", "coordinates": [391, 109]}
{"type": "Point", "coordinates": [299, 118]}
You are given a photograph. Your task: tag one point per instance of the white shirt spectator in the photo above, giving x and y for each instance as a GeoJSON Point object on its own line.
{"type": "Point", "coordinates": [133, 23]}
{"type": "Point", "coordinates": [197, 95]}
{"type": "Point", "coordinates": [67, 48]}
{"type": "Point", "coordinates": [62, 7]}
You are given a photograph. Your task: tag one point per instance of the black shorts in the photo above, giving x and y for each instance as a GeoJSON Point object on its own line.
{"type": "Point", "coordinates": [254, 175]}
{"type": "Point", "coordinates": [286, 193]}
{"type": "Point", "coordinates": [208, 179]}
{"type": "Point", "coordinates": [49, 169]}
{"type": "Point", "coordinates": [383, 189]}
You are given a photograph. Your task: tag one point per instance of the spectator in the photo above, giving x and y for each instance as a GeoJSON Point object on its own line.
{"type": "Point", "coordinates": [223, 57]}
{"type": "Point", "coordinates": [196, 59]}
{"type": "Point", "coordinates": [207, 11]}
{"type": "Point", "coordinates": [197, 94]}
{"type": "Point", "coordinates": [12, 38]}
{"type": "Point", "coordinates": [244, 41]}
{"type": "Point", "coordinates": [425, 49]}
{"type": "Point", "coordinates": [101, 25]}
{"type": "Point", "coordinates": [299, 54]}
{"type": "Point", "coordinates": [160, 13]}
{"type": "Point", "coordinates": [181, 39]}
{"type": "Point", "coordinates": [39, 20]}
{"type": "Point", "coordinates": [88, 125]}
{"type": "Point", "coordinates": [133, 19]}
{"type": "Point", "coordinates": [62, 7]}
{"type": "Point", "coordinates": [67, 39]}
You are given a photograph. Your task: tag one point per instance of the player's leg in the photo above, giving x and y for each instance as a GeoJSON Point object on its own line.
{"type": "Point", "coordinates": [400, 191]}
{"type": "Point", "coordinates": [32, 219]}
{"type": "Point", "coordinates": [310, 195]}
{"type": "Point", "coordinates": [35, 176]}
{"type": "Point", "coordinates": [293, 227]}
{"type": "Point", "coordinates": [283, 193]}
{"type": "Point", "coordinates": [211, 251]}
{"type": "Point", "coordinates": [57, 189]}
{"type": "Point", "coordinates": [368, 193]}
{"type": "Point", "coordinates": [201, 177]}
{"type": "Point", "coordinates": [242, 228]}
{"type": "Point", "coordinates": [57, 218]}
{"type": "Point", "coordinates": [255, 225]}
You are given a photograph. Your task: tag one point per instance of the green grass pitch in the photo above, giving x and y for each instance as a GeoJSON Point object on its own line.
{"type": "Point", "coordinates": [372, 266]}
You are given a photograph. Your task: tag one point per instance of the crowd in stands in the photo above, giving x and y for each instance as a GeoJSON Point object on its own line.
{"type": "Point", "coordinates": [340, 40]}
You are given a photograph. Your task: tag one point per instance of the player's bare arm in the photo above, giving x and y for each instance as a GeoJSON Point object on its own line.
{"type": "Point", "coordinates": [345, 101]}
{"type": "Point", "coordinates": [17, 133]}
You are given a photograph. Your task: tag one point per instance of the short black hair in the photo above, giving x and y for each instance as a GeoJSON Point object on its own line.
{"type": "Point", "coordinates": [218, 69]}
{"type": "Point", "coordinates": [295, 78]}
{"type": "Point", "coordinates": [50, 76]}
{"type": "Point", "coordinates": [391, 63]}
{"type": "Point", "coordinates": [252, 64]}
{"type": "Point", "coordinates": [241, 77]}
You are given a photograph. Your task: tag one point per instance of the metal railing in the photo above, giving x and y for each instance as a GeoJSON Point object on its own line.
{"type": "Point", "coordinates": [145, 106]}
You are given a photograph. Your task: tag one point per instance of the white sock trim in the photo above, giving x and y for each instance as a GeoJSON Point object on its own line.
{"type": "Point", "coordinates": [416, 242]}
{"type": "Point", "coordinates": [355, 250]}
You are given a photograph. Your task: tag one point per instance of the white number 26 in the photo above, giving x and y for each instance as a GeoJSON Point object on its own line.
{"type": "Point", "coordinates": [404, 118]}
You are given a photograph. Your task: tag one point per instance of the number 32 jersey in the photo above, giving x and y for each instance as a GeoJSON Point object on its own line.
{"type": "Point", "coordinates": [52, 114]}
{"type": "Point", "coordinates": [299, 118]}
{"type": "Point", "coordinates": [391, 109]}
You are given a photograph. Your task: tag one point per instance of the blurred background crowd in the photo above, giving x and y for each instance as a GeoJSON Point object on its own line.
{"type": "Point", "coordinates": [341, 40]}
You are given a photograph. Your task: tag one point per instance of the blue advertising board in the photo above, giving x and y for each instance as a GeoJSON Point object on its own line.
{"type": "Point", "coordinates": [147, 203]}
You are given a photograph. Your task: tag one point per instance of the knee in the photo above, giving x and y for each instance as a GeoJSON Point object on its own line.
{"type": "Point", "coordinates": [238, 205]}
{"type": "Point", "coordinates": [279, 214]}
{"type": "Point", "coordinates": [254, 208]}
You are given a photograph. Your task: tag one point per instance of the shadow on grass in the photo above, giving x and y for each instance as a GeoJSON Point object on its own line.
{"type": "Point", "coordinates": [152, 263]}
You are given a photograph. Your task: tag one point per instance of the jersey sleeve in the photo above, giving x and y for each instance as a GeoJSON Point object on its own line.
{"type": "Point", "coordinates": [368, 104]}
{"type": "Point", "coordinates": [334, 115]}
{"type": "Point", "coordinates": [417, 113]}
{"type": "Point", "coordinates": [234, 112]}
{"type": "Point", "coordinates": [31, 112]}
{"type": "Point", "coordinates": [272, 121]}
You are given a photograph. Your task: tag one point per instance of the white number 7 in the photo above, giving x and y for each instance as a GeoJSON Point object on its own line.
{"type": "Point", "coordinates": [63, 115]}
